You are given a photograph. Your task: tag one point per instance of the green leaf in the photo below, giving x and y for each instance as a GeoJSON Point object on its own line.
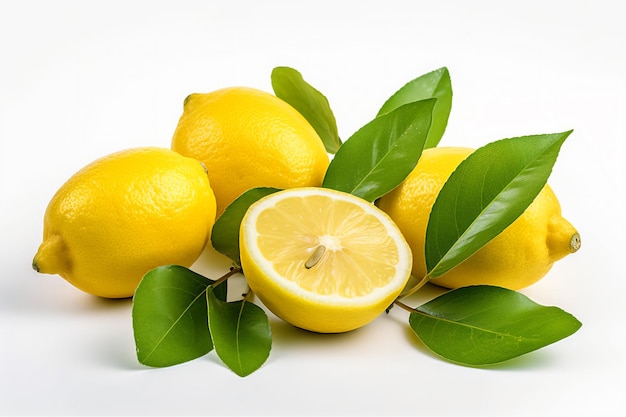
{"type": "Point", "coordinates": [484, 325]}
{"type": "Point", "coordinates": [435, 84]}
{"type": "Point", "coordinates": [379, 156]}
{"type": "Point", "coordinates": [289, 86]}
{"type": "Point", "coordinates": [169, 316]}
{"type": "Point", "coordinates": [225, 233]}
{"type": "Point", "coordinates": [241, 333]}
{"type": "Point", "coordinates": [485, 194]}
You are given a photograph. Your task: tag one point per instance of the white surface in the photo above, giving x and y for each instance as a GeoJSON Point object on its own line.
{"type": "Point", "coordinates": [79, 80]}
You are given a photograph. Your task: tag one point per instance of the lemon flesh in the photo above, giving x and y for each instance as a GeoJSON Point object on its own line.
{"type": "Point", "coordinates": [323, 260]}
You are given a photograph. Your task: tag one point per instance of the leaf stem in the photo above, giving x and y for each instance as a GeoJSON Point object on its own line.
{"type": "Point", "coordinates": [247, 295]}
{"type": "Point", "coordinates": [416, 287]}
{"type": "Point", "coordinates": [233, 270]}
{"type": "Point", "coordinates": [404, 306]}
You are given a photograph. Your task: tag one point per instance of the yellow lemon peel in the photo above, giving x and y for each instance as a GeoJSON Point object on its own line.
{"type": "Point", "coordinates": [123, 215]}
{"type": "Point", "coordinates": [519, 256]}
{"type": "Point", "coordinates": [248, 138]}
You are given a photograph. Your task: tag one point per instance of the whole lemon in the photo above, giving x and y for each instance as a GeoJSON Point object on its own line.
{"type": "Point", "coordinates": [123, 215]}
{"type": "Point", "coordinates": [249, 138]}
{"type": "Point", "coordinates": [518, 257]}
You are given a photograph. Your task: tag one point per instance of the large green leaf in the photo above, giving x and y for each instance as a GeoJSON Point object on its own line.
{"type": "Point", "coordinates": [169, 316]}
{"type": "Point", "coordinates": [485, 194]}
{"type": "Point", "coordinates": [379, 156]}
{"type": "Point", "coordinates": [241, 333]}
{"type": "Point", "coordinates": [484, 325]}
{"type": "Point", "coordinates": [435, 84]}
{"type": "Point", "coordinates": [289, 85]}
{"type": "Point", "coordinates": [225, 233]}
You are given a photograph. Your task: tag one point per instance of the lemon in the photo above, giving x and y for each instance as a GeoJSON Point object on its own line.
{"type": "Point", "coordinates": [519, 256]}
{"type": "Point", "coordinates": [123, 215]}
{"type": "Point", "coordinates": [323, 260]}
{"type": "Point", "coordinates": [249, 138]}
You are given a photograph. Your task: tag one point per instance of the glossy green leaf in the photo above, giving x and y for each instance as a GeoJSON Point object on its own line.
{"type": "Point", "coordinates": [289, 85]}
{"type": "Point", "coordinates": [485, 194]}
{"type": "Point", "coordinates": [225, 233]}
{"type": "Point", "coordinates": [484, 325]}
{"type": "Point", "coordinates": [435, 84]}
{"type": "Point", "coordinates": [169, 316]}
{"type": "Point", "coordinates": [241, 333]}
{"type": "Point", "coordinates": [379, 156]}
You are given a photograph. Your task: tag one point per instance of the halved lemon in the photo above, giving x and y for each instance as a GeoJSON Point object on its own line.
{"type": "Point", "coordinates": [323, 260]}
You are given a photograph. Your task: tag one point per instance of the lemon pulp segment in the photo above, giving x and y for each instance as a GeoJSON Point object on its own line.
{"type": "Point", "coordinates": [356, 254]}
{"type": "Point", "coordinates": [325, 246]}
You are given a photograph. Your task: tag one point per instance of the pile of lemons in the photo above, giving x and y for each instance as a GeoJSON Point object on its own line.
{"type": "Point", "coordinates": [320, 259]}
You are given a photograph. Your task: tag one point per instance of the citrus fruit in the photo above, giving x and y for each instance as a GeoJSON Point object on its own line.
{"type": "Point", "coordinates": [123, 215]}
{"type": "Point", "coordinates": [323, 260]}
{"type": "Point", "coordinates": [519, 256]}
{"type": "Point", "coordinates": [249, 138]}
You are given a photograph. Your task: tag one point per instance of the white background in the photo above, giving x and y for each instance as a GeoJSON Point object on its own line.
{"type": "Point", "coordinates": [79, 80]}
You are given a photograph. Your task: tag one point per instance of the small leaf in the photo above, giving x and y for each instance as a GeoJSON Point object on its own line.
{"type": "Point", "coordinates": [435, 84]}
{"type": "Point", "coordinates": [484, 325]}
{"type": "Point", "coordinates": [169, 316]}
{"type": "Point", "coordinates": [379, 156]}
{"type": "Point", "coordinates": [241, 334]}
{"type": "Point", "coordinates": [289, 86]}
{"type": "Point", "coordinates": [485, 194]}
{"type": "Point", "coordinates": [225, 233]}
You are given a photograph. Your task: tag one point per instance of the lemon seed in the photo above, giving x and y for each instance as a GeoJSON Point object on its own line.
{"type": "Point", "coordinates": [315, 257]}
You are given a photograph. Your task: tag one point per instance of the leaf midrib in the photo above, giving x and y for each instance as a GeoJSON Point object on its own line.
{"type": "Point", "coordinates": [169, 330]}
{"type": "Point", "coordinates": [467, 229]}
{"type": "Point", "coordinates": [385, 156]}
{"type": "Point", "coordinates": [475, 327]}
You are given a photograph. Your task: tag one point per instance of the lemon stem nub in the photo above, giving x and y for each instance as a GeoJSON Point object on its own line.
{"type": "Point", "coordinates": [574, 243]}
{"type": "Point", "coordinates": [316, 256]}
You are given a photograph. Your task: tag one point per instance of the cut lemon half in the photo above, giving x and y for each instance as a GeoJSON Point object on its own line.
{"type": "Point", "coordinates": [323, 260]}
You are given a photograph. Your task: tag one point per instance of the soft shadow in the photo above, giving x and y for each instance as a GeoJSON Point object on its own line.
{"type": "Point", "coordinates": [114, 345]}
{"type": "Point", "coordinates": [285, 334]}
{"type": "Point", "coordinates": [55, 298]}
{"type": "Point", "coordinates": [117, 352]}
{"type": "Point", "coordinates": [531, 361]}
{"type": "Point", "coordinates": [94, 303]}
